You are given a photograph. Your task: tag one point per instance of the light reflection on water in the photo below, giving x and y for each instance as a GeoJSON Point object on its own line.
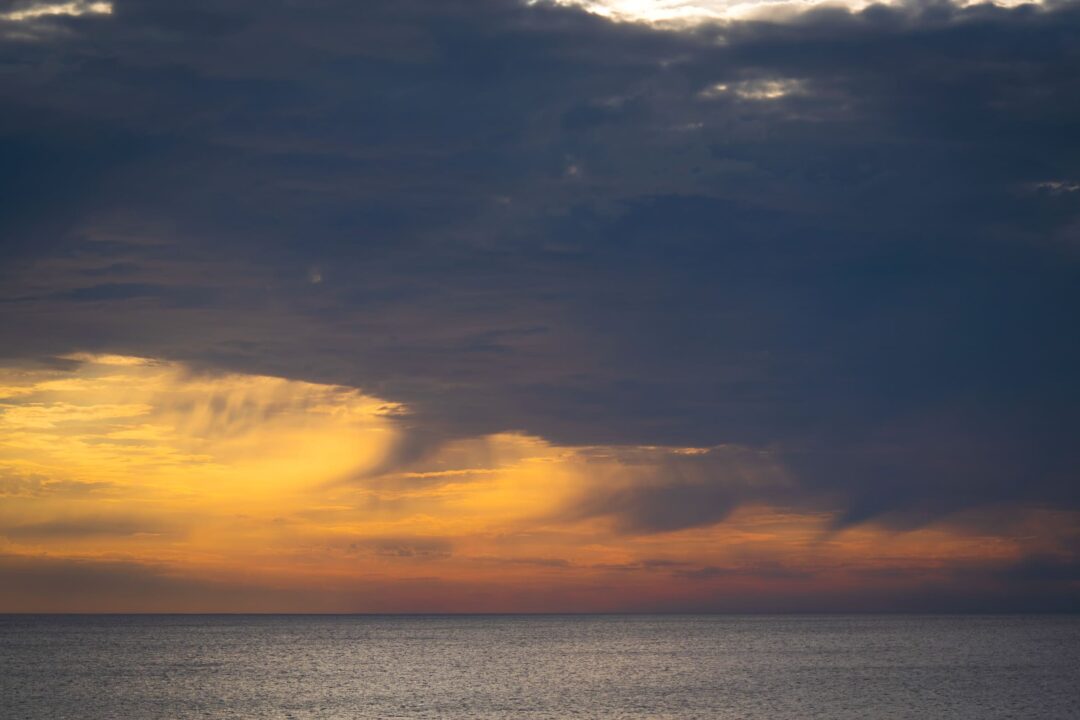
{"type": "Point", "coordinates": [175, 667]}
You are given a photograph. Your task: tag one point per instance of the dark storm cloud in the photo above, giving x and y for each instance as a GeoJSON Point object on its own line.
{"type": "Point", "coordinates": [81, 527]}
{"type": "Point", "coordinates": [46, 584]}
{"type": "Point", "coordinates": [666, 507]}
{"type": "Point", "coordinates": [671, 491]}
{"type": "Point", "coordinates": [43, 584]}
{"type": "Point", "coordinates": [24, 485]}
{"type": "Point", "coordinates": [849, 238]}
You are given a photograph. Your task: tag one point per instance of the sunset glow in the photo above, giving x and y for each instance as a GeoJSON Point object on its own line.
{"type": "Point", "coordinates": [539, 305]}
{"type": "Point", "coordinates": [284, 494]}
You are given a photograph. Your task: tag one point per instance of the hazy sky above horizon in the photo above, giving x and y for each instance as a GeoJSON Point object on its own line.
{"type": "Point", "coordinates": [494, 305]}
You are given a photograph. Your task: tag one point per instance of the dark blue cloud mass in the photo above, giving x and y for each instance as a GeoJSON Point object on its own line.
{"type": "Point", "coordinates": [849, 239]}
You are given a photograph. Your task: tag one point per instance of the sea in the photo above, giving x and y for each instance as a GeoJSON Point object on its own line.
{"type": "Point", "coordinates": [599, 667]}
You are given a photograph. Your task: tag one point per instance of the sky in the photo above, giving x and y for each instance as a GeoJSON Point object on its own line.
{"type": "Point", "coordinates": [511, 306]}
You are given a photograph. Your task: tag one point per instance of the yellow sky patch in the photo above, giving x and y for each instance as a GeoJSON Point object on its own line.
{"type": "Point", "coordinates": [287, 483]}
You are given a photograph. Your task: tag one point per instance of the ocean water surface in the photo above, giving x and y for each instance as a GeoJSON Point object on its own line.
{"type": "Point", "coordinates": [595, 667]}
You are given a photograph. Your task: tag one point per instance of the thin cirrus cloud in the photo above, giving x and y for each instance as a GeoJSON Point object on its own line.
{"type": "Point", "coordinates": [214, 486]}
{"type": "Point", "coordinates": [24, 12]}
{"type": "Point", "coordinates": [498, 290]}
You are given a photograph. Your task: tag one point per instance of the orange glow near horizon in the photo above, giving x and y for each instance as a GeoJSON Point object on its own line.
{"type": "Point", "coordinates": [273, 494]}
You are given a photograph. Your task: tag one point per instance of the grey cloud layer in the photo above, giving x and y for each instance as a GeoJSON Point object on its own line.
{"type": "Point", "coordinates": [849, 239]}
